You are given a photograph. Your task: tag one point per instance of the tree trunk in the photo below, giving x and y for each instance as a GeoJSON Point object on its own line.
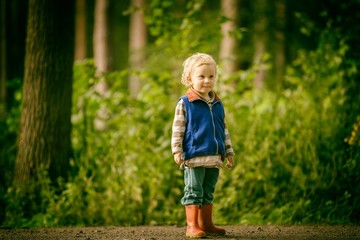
{"type": "Point", "coordinates": [260, 39]}
{"type": "Point", "coordinates": [80, 30]}
{"type": "Point", "coordinates": [101, 36]}
{"type": "Point", "coordinates": [3, 59]}
{"type": "Point", "coordinates": [44, 135]}
{"type": "Point", "coordinates": [228, 43]}
{"type": "Point", "coordinates": [137, 43]}
{"type": "Point", "coordinates": [280, 14]}
{"type": "Point", "coordinates": [102, 51]}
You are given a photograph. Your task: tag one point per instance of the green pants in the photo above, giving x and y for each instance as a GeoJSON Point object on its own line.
{"type": "Point", "coordinates": [200, 185]}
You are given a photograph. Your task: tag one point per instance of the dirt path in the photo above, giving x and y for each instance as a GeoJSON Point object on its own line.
{"type": "Point", "coordinates": [172, 232]}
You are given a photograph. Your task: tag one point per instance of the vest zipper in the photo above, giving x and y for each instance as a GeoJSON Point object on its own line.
{"type": "Point", "coordinates": [213, 123]}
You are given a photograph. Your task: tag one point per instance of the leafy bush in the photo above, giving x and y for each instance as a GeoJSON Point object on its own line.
{"type": "Point", "coordinates": [297, 149]}
{"type": "Point", "coordinates": [292, 163]}
{"type": "Point", "coordinates": [8, 133]}
{"type": "Point", "coordinates": [122, 170]}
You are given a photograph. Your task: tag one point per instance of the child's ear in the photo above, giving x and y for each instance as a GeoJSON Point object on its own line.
{"type": "Point", "coordinates": [189, 80]}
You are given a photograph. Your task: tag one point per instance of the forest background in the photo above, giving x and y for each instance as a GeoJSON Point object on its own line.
{"type": "Point", "coordinates": [88, 94]}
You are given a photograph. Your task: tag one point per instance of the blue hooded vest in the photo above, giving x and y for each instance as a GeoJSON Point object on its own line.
{"type": "Point", "coordinates": [205, 127]}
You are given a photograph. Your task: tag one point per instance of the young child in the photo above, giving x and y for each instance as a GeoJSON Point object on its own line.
{"type": "Point", "coordinates": [200, 143]}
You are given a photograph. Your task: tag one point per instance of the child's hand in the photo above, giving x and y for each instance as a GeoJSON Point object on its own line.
{"type": "Point", "coordinates": [178, 158]}
{"type": "Point", "coordinates": [230, 162]}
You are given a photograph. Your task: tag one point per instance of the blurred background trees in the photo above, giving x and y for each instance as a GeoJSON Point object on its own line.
{"type": "Point", "coordinates": [288, 77]}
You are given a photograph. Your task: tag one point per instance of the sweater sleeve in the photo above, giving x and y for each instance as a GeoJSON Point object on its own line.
{"type": "Point", "coordinates": [228, 146]}
{"type": "Point", "coordinates": [178, 128]}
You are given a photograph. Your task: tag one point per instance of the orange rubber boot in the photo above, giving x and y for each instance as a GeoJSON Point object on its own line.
{"type": "Point", "coordinates": [205, 221]}
{"type": "Point", "coordinates": [192, 229]}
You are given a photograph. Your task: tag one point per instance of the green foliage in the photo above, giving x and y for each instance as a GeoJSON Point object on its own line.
{"type": "Point", "coordinates": [297, 148]}
{"type": "Point", "coordinates": [122, 170]}
{"type": "Point", "coordinates": [172, 28]}
{"type": "Point", "coordinates": [8, 133]}
{"type": "Point", "coordinates": [292, 163]}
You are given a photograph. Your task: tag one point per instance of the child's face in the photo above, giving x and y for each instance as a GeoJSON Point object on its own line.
{"type": "Point", "coordinates": [203, 78]}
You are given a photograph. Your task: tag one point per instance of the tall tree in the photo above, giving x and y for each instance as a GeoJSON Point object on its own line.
{"type": "Point", "coordinates": [102, 51]}
{"type": "Point", "coordinates": [44, 136]}
{"type": "Point", "coordinates": [228, 43]}
{"type": "Point", "coordinates": [2, 59]}
{"type": "Point", "coordinates": [80, 30]}
{"type": "Point", "coordinates": [137, 43]}
{"type": "Point", "coordinates": [84, 27]}
{"type": "Point", "coordinates": [280, 15]}
{"type": "Point", "coordinates": [102, 43]}
{"type": "Point", "coordinates": [260, 39]}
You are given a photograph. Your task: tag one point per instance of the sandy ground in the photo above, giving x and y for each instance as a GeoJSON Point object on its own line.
{"type": "Point", "coordinates": [308, 232]}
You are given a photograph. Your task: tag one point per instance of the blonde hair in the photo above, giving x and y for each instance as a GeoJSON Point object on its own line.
{"type": "Point", "coordinates": [195, 60]}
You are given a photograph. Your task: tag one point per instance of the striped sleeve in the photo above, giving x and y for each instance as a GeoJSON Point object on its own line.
{"type": "Point", "coordinates": [228, 146]}
{"type": "Point", "coordinates": [178, 128]}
